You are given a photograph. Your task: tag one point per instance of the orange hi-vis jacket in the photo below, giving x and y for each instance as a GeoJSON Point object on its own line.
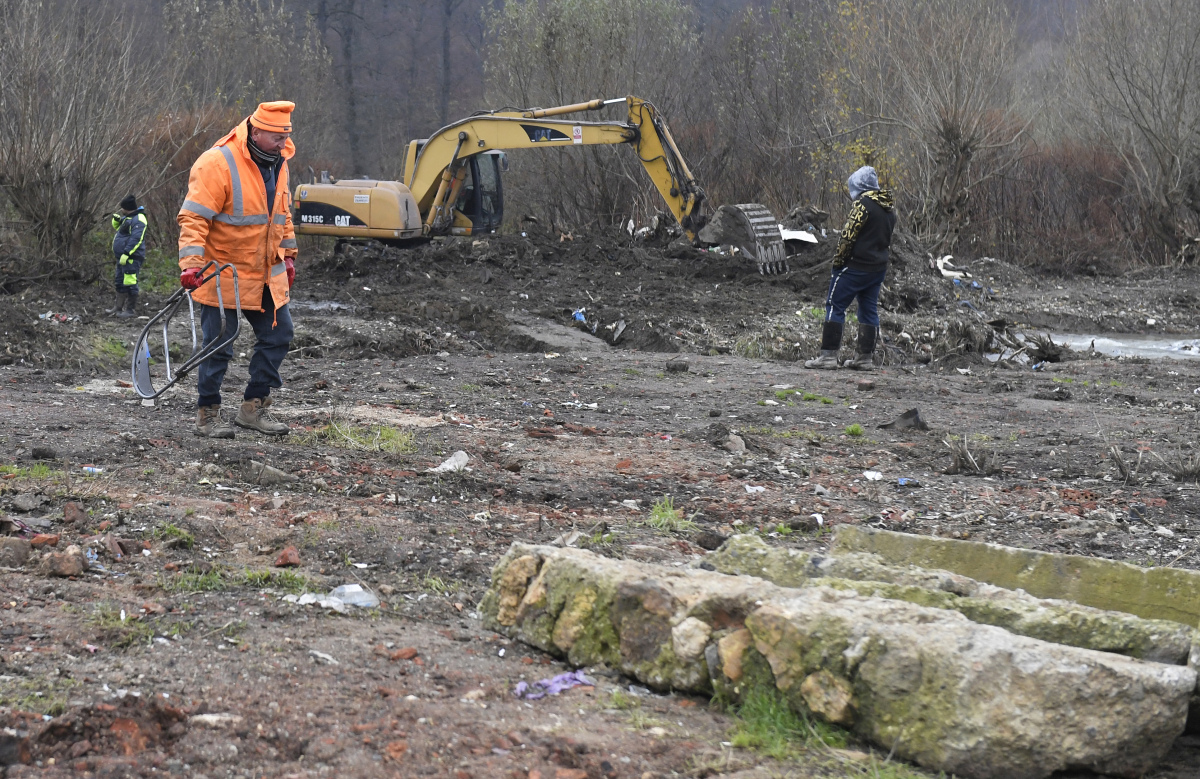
{"type": "Point", "coordinates": [225, 218]}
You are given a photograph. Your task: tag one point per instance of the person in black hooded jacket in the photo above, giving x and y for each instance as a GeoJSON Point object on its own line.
{"type": "Point", "coordinates": [859, 268]}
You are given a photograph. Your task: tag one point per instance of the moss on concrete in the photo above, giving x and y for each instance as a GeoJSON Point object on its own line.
{"type": "Point", "coordinates": [1058, 621]}
{"type": "Point", "coordinates": [1151, 593]}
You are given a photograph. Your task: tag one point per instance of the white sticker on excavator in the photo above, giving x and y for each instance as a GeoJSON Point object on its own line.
{"type": "Point", "coordinates": [362, 198]}
{"type": "Point", "coordinates": [577, 134]}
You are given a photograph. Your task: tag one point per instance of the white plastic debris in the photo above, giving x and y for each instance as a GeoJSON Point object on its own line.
{"type": "Point", "coordinates": [946, 268]}
{"type": "Point", "coordinates": [752, 489]}
{"type": "Point", "coordinates": [797, 235]}
{"type": "Point", "coordinates": [321, 657]}
{"type": "Point", "coordinates": [456, 462]}
{"type": "Point", "coordinates": [355, 595]}
{"type": "Point", "coordinates": [872, 475]}
{"type": "Point", "coordinates": [215, 720]}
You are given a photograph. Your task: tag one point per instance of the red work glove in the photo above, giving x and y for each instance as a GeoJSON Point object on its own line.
{"type": "Point", "coordinates": [290, 264]}
{"type": "Point", "coordinates": [190, 278]}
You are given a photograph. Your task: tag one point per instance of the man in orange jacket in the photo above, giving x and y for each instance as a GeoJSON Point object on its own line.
{"type": "Point", "coordinates": [237, 211]}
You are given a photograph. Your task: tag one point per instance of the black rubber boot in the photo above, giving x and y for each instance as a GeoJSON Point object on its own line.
{"type": "Point", "coordinates": [130, 309]}
{"type": "Point", "coordinates": [831, 342]}
{"type": "Point", "coordinates": [118, 305]}
{"type": "Point", "coordinates": [864, 360]}
{"type": "Point", "coordinates": [831, 337]}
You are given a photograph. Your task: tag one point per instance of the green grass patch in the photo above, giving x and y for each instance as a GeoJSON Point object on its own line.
{"type": "Point", "coordinates": [767, 725]}
{"type": "Point", "coordinates": [664, 516]}
{"type": "Point", "coordinates": [632, 372]}
{"type": "Point", "coordinates": [35, 471]}
{"type": "Point", "coordinates": [285, 581]}
{"type": "Point", "coordinates": [173, 535]}
{"type": "Point", "coordinates": [160, 272]}
{"type": "Point", "coordinates": [196, 581]}
{"type": "Point", "coordinates": [435, 585]}
{"type": "Point", "coordinates": [1062, 380]}
{"type": "Point", "coordinates": [42, 696]}
{"type": "Point", "coordinates": [363, 438]}
{"type": "Point", "coordinates": [784, 394]}
{"type": "Point", "coordinates": [116, 632]}
{"type": "Point", "coordinates": [471, 388]}
{"type": "Point", "coordinates": [854, 431]}
{"type": "Point", "coordinates": [108, 348]}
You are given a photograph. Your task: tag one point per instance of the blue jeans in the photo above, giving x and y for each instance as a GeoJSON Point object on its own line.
{"type": "Point", "coordinates": [848, 284]}
{"type": "Point", "coordinates": [270, 347]}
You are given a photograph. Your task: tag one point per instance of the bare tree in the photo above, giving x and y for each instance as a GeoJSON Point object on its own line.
{"type": "Point", "coordinates": [1138, 65]}
{"type": "Point", "coordinates": [81, 124]}
{"type": "Point", "coordinates": [555, 53]}
{"type": "Point", "coordinates": [939, 74]}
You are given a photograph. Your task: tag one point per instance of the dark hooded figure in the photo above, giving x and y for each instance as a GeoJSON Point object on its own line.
{"type": "Point", "coordinates": [859, 267]}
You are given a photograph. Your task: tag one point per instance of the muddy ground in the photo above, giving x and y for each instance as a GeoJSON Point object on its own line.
{"type": "Point", "coordinates": [405, 356]}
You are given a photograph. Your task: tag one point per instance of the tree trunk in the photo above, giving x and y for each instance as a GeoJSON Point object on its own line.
{"type": "Point", "coordinates": [352, 133]}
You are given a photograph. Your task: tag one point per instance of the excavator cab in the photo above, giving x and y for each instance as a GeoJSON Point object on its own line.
{"type": "Point", "coordinates": [479, 208]}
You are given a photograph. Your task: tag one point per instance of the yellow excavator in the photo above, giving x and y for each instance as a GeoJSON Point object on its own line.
{"type": "Point", "coordinates": [452, 182]}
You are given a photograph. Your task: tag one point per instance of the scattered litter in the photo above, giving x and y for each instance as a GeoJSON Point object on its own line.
{"type": "Point", "coordinates": [321, 657]}
{"type": "Point", "coordinates": [906, 481]}
{"type": "Point", "coordinates": [1164, 531]}
{"type": "Point", "coordinates": [453, 464]}
{"type": "Point", "coordinates": [804, 236]}
{"type": "Point", "coordinates": [355, 595]}
{"type": "Point", "coordinates": [946, 268]}
{"type": "Point", "coordinates": [218, 720]}
{"type": "Point", "coordinates": [630, 504]}
{"type": "Point", "coordinates": [750, 488]}
{"type": "Point", "coordinates": [568, 539]}
{"type": "Point", "coordinates": [872, 475]}
{"type": "Point", "coordinates": [255, 472]}
{"type": "Point", "coordinates": [820, 519]}
{"type": "Point", "coordinates": [552, 686]}
{"type": "Point", "coordinates": [909, 419]}
{"type": "Point", "coordinates": [92, 470]}
{"type": "Point", "coordinates": [820, 490]}
{"type": "Point", "coordinates": [964, 371]}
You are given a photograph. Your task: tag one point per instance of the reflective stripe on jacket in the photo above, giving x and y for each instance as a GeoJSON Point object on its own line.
{"type": "Point", "coordinates": [225, 218]}
{"type": "Point", "coordinates": [130, 241]}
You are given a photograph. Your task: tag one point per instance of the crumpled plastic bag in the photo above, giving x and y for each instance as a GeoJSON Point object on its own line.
{"type": "Point", "coordinates": [552, 686]}
{"type": "Point", "coordinates": [456, 462]}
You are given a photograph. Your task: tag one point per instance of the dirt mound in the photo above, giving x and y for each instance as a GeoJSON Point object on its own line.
{"type": "Point", "coordinates": [657, 294]}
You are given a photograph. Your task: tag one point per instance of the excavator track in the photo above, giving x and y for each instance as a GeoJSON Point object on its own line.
{"type": "Point", "coordinates": [754, 231]}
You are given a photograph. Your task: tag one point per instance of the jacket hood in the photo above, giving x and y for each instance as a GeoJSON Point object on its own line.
{"type": "Point", "coordinates": [883, 197]}
{"type": "Point", "coordinates": [862, 180]}
{"type": "Point", "coordinates": [239, 136]}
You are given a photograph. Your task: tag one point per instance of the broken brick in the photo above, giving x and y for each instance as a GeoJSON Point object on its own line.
{"type": "Point", "coordinates": [288, 558]}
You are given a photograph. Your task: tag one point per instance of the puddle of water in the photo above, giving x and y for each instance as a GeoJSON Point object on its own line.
{"type": "Point", "coordinates": [1122, 345]}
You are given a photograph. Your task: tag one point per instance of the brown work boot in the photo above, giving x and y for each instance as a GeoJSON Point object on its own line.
{"type": "Point", "coordinates": [255, 416]}
{"type": "Point", "coordinates": [210, 425]}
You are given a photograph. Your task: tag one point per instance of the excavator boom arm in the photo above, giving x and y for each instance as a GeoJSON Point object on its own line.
{"type": "Point", "coordinates": [432, 166]}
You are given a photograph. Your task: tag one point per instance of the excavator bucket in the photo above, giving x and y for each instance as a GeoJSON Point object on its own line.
{"type": "Point", "coordinates": [143, 360]}
{"type": "Point", "coordinates": [753, 230]}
